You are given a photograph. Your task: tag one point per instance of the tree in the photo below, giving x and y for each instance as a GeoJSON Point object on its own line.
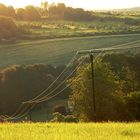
{"type": "Point", "coordinates": [45, 7]}
{"type": "Point", "coordinates": [32, 13]}
{"type": "Point", "coordinates": [7, 11]}
{"type": "Point", "coordinates": [8, 28]}
{"type": "Point", "coordinates": [127, 68]}
{"type": "Point", "coordinates": [52, 9]}
{"type": "Point", "coordinates": [11, 12]}
{"type": "Point", "coordinates": [57, 10]}
{"type": "Point", "coordinates": [133, 105]}
{"type": "Point", "coordinates": [21, 83]}
{"type": "Point", "coordinates": [77, 14]}
{"type": "Point", "coordinates": [61, 9]}
{"type": "Point", "coordinates": [130, 83]}
{"type": "Point", "coordinates": [3, 10]}
{"type": "Point", "coordinates": [20, 13]}
{"type": "Point", "coordinates": [107, 89]}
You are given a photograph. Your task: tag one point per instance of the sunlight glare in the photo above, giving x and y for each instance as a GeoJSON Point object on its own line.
{"type": "Point", "coordinates": [86, 4]}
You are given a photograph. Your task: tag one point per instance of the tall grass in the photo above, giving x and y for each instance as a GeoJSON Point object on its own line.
{"type": "Point", "coordinates": [80, 131]}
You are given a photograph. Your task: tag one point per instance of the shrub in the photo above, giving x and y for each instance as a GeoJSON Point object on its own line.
{"type": "Point", "coordinates": [57, 117]}
{"type": "Point", "coordinates": [71, 118]}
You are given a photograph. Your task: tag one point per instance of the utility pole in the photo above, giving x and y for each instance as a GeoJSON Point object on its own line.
{"type": "Point", "coordinates": [90, 52]}
{"type": "Point", "coordinates": [30, 112]}
{"type": "Point", "coordinates": [93, 87]}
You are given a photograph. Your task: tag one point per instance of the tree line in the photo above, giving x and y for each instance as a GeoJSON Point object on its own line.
{"type": "Point", "coordinates": [56, 11]}
{"type": "Point", "coordinates": [9, 30]}
{"type": "Point", "coordinates": [61, 11]}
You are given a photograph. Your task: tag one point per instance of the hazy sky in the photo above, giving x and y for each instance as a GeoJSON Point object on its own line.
{"type": "Point", "coordinates": [86, 4]}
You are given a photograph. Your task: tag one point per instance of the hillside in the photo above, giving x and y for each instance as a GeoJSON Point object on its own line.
{"type": "Point", "coordinates": [62, 50]}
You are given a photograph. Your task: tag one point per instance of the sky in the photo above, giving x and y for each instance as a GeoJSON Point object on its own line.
{"type": "Point", "coordinates": [86, 4]}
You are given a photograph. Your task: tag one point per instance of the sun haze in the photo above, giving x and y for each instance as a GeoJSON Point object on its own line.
{"type": "Point", "coordinates": [86, 4]}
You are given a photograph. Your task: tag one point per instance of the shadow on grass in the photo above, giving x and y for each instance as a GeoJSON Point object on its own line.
{"type": "Point", "coordinates": [130, 133]}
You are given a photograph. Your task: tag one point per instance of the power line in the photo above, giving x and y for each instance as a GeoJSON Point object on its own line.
{"type": "Point", "coordinates": [90, 52]}
{"type": "Point", "coordinates": [48, 98]}
{"type": "Point", "coordinates": [15, 113]}
{"type": "Point", "coordinates": [23, 110]}
{"type": "Point", "coordinates": [45, 90]}
{"type": "Point", "coordinates": [36, 101]}
{"type": "Point", "coordinates": [19, 111]}
{"type": "Point", "coordinates": [44, 98]}
{"type": "Point", "coordinates": [130, 43]}
{"type": "Point", "coordinates": [24, 113]}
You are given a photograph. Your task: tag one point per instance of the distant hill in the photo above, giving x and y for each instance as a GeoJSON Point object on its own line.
{"type": "Point", "coordinates": [135, 8]}
{"type": "Point", "coordinates": [128, 9]}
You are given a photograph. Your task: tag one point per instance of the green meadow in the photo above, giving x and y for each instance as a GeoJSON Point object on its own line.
{"type": "Point", "coordinates": [56, 51]}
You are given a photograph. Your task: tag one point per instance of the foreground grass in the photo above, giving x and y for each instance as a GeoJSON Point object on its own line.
{"type": "Point", "coordinates": [81, 131]}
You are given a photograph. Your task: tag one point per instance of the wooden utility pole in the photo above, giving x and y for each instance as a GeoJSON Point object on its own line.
{"type": "Point", "coordinates": [30, 112]}
{"type": "Point", "coordinates": [94, 51]}
{"type": "Point", "coordinates": [90, 52]}
{"type": "Point", "coordinates": [93, 87]}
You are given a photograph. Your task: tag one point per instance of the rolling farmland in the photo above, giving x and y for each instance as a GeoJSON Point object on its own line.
{"type": "Point", "coordinates": [56, 51]}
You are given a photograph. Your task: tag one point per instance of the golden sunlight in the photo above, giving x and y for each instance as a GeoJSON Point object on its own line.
{"type": "Point", "coordinates": [86, 4]}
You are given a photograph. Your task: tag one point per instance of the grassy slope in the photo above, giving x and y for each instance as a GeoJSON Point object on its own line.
{"type": "Point", "coordinates": [57, 51]}
{"type": "Point", "coordinates": [84, 131]}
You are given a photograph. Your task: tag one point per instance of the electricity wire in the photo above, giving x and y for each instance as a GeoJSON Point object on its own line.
{"type": "Point", "coordinates": [36, 101]}
{"type": "Point", "coordinates": [45, 90]}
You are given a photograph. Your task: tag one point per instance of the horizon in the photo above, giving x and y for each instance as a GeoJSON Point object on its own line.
{"type": "Point", "coordinates": [90, 5]}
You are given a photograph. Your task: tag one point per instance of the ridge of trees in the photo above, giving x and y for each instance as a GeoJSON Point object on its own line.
{"type": "Point", "coordinates": [57, 11]}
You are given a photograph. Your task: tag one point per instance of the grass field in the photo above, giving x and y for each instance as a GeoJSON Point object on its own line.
{"type": "Point", "coordinates": [63, 28]}
{"type": "Point", "coordinates": [81, 131]}
{"type": "Point", "coordinates": [56, 51]}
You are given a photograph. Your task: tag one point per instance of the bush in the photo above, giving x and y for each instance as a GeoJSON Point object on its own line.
{"type": "Point", "coordinates": [57, 117]}
{"type": "Point", "coordinates": [71, 118]}
{"type": "Point", "coordinates": [61, 109]}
